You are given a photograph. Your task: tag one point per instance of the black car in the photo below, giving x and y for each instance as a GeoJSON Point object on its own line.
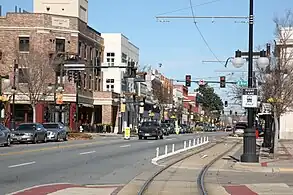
{"type": "Point", "coordinates": [150, 129]}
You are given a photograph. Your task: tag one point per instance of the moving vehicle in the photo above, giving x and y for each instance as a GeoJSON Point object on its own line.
{"type": "Point", "coordinates": [56, 131]}
{"type": "Point", "coordinates": [150, 129]}
{"type": "Point", "coordinates": [29, 132]}
{"type": "Point", "coordinates": [5, 135]}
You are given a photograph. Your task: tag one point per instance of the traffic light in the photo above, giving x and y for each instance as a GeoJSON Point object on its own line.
{"type": "Point", "coordinates": [226, 103]}
{"type": "Point", "coordinates": [188, 80]}
{"type": "Point", "coordinates": [222, 82]}
{"type": "Point", "coordinates": [231, 112]}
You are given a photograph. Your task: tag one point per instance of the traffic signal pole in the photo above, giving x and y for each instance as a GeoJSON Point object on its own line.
{"type": "Point", "coordinates": [213, 82]}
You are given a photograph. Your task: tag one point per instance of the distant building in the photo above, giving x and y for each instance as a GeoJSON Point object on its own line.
{"type": "Point", "coordinates": [119, 51]}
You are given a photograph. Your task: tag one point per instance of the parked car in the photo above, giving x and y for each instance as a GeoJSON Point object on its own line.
{"type": "Point", "coordinates": [239, 128]}
{"type": "Point", "coordinates": [56, 131]}
{"type": "Point", "coordinates": [166, 128]}
{"type": "Point", "coordinates": [150, 129]}
{"type": "Point", "coordinates": [29, 132]}
{"type": "Point", "coordinates": [5, 135]}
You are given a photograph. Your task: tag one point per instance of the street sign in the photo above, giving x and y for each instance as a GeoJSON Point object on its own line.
{"type": "Point", "coordinates": [266, 108]}
{"type": "Point", "coordinates": [242, 83]}
{"type": "Point", "coordinates": [249, 98]}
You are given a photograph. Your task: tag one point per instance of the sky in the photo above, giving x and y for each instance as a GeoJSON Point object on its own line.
{"type": "Point", "coordinates": [177, 44]}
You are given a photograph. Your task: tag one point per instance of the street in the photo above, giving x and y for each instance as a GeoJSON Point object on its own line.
{"type": "Point", "coordinates": [103, 161]}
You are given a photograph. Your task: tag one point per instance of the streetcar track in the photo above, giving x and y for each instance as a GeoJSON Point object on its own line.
{"type": "Point", "coordinates": [200, 179]}
{"type": "Point", "coordinates": [148, 182]}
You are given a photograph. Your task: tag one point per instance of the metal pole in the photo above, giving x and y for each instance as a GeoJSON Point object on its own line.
{"type": "Point", "coordinates": [55, 88]}
{"type": "Point", "coordinates": [61, 85]}
{"type": "Point", "coordinates": [13, 96]}
{"type": "Point", "coordinates": [268, 132]}
{"type": "Point", "coordinates": [77, 109]}
{"type": "Point", "coordinates": [249, 139]}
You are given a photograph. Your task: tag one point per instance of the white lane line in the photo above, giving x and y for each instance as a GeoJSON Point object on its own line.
{"type": "Point", "coordinates": [169, 139]}
{"type": "Point", "coordinates": [125, 146]}
{"type": "Point", "coordinates": [150, 142]}
{"type": "Point", "coordinates": [22, 164]}
{"type": "Point", "coordinates": [90, 152]}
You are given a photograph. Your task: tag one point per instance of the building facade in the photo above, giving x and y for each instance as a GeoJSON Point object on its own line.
{"type": "Point", "coordinates": [37, 39]}
{"type": "Point", "coordinates": [120, 52]}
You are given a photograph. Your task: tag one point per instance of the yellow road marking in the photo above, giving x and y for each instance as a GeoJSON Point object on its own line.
{"type": "Point", "coordinates": [50, 148]}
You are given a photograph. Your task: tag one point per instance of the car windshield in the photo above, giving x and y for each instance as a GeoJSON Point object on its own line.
{"type": "Point", "coordinates": [24, 127]}
{"type": "Point", "coordinates": [51, 126]}
{"type": "Point", "coordinates": [148, 124]}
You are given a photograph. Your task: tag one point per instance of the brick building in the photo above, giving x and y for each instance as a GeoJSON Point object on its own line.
{"type": "Point", "coordinates": [40, 37]}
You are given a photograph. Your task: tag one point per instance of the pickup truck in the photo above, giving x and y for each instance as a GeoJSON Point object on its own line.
{"type": "Point", "coordinates": [150, 129]}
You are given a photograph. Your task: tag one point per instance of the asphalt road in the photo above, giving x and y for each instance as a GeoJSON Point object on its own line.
{"type": "Point", "coordinates": [109, 160]}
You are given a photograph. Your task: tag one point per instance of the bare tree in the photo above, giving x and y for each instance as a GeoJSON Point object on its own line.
{"type": "Point", "coordinates": [278, 78]}
{"type": "Point", "coordinates": [34, 76]}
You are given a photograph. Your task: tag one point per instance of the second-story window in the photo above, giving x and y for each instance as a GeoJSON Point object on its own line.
{"type": "Point", "coordinates": [90, 82]}
{"type": "Point", "coordinates": [110, 84]}
{"type": "Point", "coordinates": [85, 51]}
{"type": "Point", "coordinates": [85, 81]}
{"type": "Point", "coordinates": [79, 48]}
{"type": "Point", "coordinates": [60, 45]}
{"type": "Point", "coordinates": [24, 44]}
{"type": "Point", "coordinates": [111, 58]}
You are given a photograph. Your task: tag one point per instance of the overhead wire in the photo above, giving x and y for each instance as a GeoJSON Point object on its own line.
{"type": "Point", "coordinates": [201, 34]}
{"type": "Point", "coordinates": [181, 9]}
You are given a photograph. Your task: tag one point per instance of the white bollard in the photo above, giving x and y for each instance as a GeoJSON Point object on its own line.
{"type": "Point", "coordinates": [207, 139]}
{"type": "Point", "coordinates": [193, 142]}
{"type": "Point", "coordinates": [158, 152]}
{"type": "Point", "coordinates": [173, 147]}
{"type": "Point", "coordinates": [189, 143]}
{"type": "Point", "coordinates": [201, 140]}
{"type": "Point", "coordinates": [166, 149]}
{"type": "Point", "coordinates": [184, 144]}
{"type": "Point", "coordinates": [204, 139]}
{"type": "Point", "coordinates": [197, 141]}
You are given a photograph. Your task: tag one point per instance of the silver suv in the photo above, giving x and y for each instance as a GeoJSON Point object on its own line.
{"type": "Point", "coordinates": [5, 135]}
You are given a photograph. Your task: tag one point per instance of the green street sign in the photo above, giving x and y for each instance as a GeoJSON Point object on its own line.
{"type": "Point", "coordinates": [242, 83]}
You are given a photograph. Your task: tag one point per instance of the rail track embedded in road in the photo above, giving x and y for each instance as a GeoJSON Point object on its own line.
{"type": "Point", "coordinates": [200, 180]}
{"type": "Point", "coordinates": [147, 183]}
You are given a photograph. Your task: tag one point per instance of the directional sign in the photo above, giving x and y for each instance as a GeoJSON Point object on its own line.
{"type": "Point", "coordinates": [249, 98]}
{"type": "Point", "coordinates": [242, 83]}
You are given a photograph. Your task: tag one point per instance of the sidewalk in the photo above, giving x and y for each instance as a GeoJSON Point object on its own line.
{"type": "Point", "coordinates": [180, 178]}
{"type": "Point", "coordinates": [268, 177]}
{"type": "Point", "coordinates": [70, 189]}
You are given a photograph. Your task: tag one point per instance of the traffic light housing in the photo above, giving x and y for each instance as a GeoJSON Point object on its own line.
{"type": "Point", "coordinates": [226, 103]}
{"type": "Point", "coordinates": [188, 80]}
{"type": "Point", "coordinates": [222, 82]}
{"type": "Point", "coordinates": [231, 112]}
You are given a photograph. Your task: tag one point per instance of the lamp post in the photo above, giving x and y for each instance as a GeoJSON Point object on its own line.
{"type": "Point", "coordinates": [13, 90]}
{"type": "Point", "coordinates": [120, 101]}
{"type": "Point", "coordinates": [249, 139]}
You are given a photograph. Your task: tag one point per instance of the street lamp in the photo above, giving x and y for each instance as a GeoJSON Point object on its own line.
{"type": "Point", "coordinates": [249, 139]}
{"type": "Point", "coordinates": [120, 100]}
{"type": "Point", "coordinates": [238, 61]}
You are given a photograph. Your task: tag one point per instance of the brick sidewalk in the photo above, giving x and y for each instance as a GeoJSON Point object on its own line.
{"type": "Point", "coordinates": [268, 177]}
{"type": "Point", "coordinates": [70, 189]}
